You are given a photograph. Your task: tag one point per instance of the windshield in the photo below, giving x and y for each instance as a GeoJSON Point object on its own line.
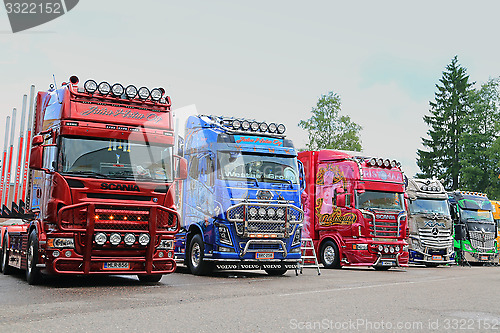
{"type": "Point", "coordinates": [476, 215]}
{"type": "Point", "coordinates": [425, 206]}
{"type": "Point", "coordinates": [262, 167]}
{"type": "Point", "coordinates": [379, 200]}
{"type": "Point", "coordinates": [112, 158]}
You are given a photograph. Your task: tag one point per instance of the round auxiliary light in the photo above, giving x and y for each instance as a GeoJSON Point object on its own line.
{"type": "Point", "coordinates": [263, 127]}
{"type": "Point", "coordinates": [280, 212]}
{"type": "Point", "coordinates": [56, 254]}
{"type": "Point", "coordinates": [380, 162]}
{"type": "Point", "coordinates": [245, 124]}
{"type": "Point", "coordinates": [391, 249]}
{"type": "Point", "coordinates": [254, 126]}
{"type": "Point", "coordinates": [397, 248]}
{"type": "Point", "coordinates": [104, 88]}
{"type": "Point", "coordinates": [117, 90]}
{"type": "Point", "coordinates": [386, 249]}
{"type": "Point", "coordinates": [387, 163]}
{"type": "Point", "coordinates": [67, 254]}
{"type": "Point", "coordinates": [144, 239]}
{"type": "Point", "coordinates": [90, 86]}
{"type": "Point", "coordinates": [236, 124]}
{"type": "Point", "coordinates": [156, 94]}
{"type": "Point", "coordinates": [262, 211]}
{"type": "Point", "coordinates": [272, 127]}
{"type": "Point", "coordinates": [281, 129]}
{"type": "Point", "coordinates": [253, 212]}
{"type": "Point", "coordinates": [129, 239]}
{"type": "Point", "coordinates": [380, 248]}
{"type": "Point", "coordinates": [424, 188]}
{"type": "Point", "coordinates": [131, 91]}
{"type": "Point", "coordinates": [143, 93]}
{"type": "Point", "coordinates": [100, 238]}
{"type": "Point", "coordinates": [271, 212]}
{"type": "Point", "coordinates": [394, 164]}
{"type": "Point", "coordinates": [115, 239]}
{"type": "Point", "coordinates": [373, 161]}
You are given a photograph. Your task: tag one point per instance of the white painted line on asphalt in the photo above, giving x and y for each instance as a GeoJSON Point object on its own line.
{"type": "Point", "coordinates": [369, 286]}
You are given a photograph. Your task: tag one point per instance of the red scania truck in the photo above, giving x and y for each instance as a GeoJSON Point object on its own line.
{"type": "Point", "coordinates": [354, 209]}
{"type": "Point", "coordinates": [100, 190]}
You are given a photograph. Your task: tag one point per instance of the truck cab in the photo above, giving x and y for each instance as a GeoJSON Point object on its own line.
{"type": "Point", "coordinates": [475, 229]}
{"type": "Point", "coordinates": [241, 199]}
{"type": "Point", "coordinates": [430, 224]}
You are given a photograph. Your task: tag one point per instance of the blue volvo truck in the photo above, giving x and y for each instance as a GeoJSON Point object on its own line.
{"type": "Point", "coordinates": [241, 199]}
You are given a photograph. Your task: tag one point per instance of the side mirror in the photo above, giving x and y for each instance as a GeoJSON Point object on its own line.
{"type": "Point", "coordinates": [460, 231]}
{"type": "Point", "coordinates": [181, 168]}
{"type": "Point", "coordinates": [36, 157]}
{"type": "Point", "coordinates": [49, 158]}
{"type": "Point", "coordinates": [302, 177]}
{"type": "Point", "coordinates": [341, 200]}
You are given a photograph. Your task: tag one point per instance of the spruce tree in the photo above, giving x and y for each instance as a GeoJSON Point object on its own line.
{"type": "Point", "coordinates": [447, 120]}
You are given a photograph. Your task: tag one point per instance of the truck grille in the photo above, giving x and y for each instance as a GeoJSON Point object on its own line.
{"type": "Point", "coordinates": [435, 238]}
{"type": "Point", "coordinates": [482, 241]}
{"type": "Point", "coordinates": [264, 219]}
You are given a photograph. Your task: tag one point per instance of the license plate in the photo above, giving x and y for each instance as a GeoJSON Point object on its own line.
{"type": "Point", "coordinates": [264, 255]}
{"type": "Point", "coordinates": [437, 258]}
{"type": "Point", "coordinates": [484, 257]}
{"type": "Point", "coordinates": [116, 265]}
{"type": "Point", "coordinates": [386, 263]}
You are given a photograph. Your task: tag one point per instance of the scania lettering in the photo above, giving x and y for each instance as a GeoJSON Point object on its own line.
{"type": "Point", "coordinates": [430, 224]}
{"type": "Point", "coordinates": [101, 199]}
{"type": "Point", "coordinates": [354, 209]}
{"type": "Point", "coordinates": [475, 229]}
{"type": "Point", "coordinates": [241, 199]}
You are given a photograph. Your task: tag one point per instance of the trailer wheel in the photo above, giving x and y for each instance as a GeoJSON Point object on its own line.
{"type": "Point", "coordinates": [33, 275]}
{"type": "Point", "coordinates": [196, 257]}
{"type": "Point", "coordinates": [150, 278]}
{"type": "Point", "coordinates": [330, 255]}
{"type": "Point", "coordinates": [4, 266]}
{"type": "Point", "coordinates": [276, 272]}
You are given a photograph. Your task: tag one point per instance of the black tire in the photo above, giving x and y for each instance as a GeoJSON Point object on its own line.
{"type": "Point", "coordinates": [330, 255]}
{"type": "Point", "coordinates": [150, 278]}
{"type": "Point", "coordinates": [5, 268]}
{"type": "Point", "coordinates": [381, 268]}
{"type": "Point", "coordinates": [33, 274]}
{"type": "Point", "coordinates": [196, 257]}
{"type": "Point", "coordinates": [276, 272]}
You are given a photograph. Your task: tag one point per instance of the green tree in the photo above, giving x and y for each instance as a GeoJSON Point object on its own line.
{"type": "Point", "coordinates": [479, 157]}
{"type": "Point", "coordinates": [447, 120]}
{"type": "Point", "coordinates": [327, 129]}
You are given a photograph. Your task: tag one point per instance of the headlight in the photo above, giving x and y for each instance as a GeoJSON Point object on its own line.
{"type": "Point", "coordinates": [166, 244]}
{"type": "Point", "coordinates": [281, 129]}
{"type": "Point", "coordinates": [254, 126]}
{"type": "Point", "coordinates": [117, 90]}
{"type": "Point", "coordinates": [253, 212]}
{"type": "Point", "coordinates": [129, 239]}
{"type": "Point", "coordinates": [104, 88]}
{"type": "Point", "coordinates": [236, 124]}
{"type": "Point", "coordinates": [143, 93]}
{"type": "Point", "coordinates": [263, 127]}
{"type": "Point", "coordinates": [131, 91]}
{"type": "Point", "coordinates": [467, 247]}
{"type": "Point", "coordinates": [224, 236]}
{"type": "Point", "coordinates": [156, 94]}
{"type": "Point", "coordinates": [271, 212]}
{"type": "Point", "coordinates": [61, 242]}
{"type": "Point", "coordinates": [90, 86]}
{"type": "Point", "coordinates": [272, 127]}
{"type": "Point", "coordinates": [296, 237]}
{"type": "Point", "coordinates": [100, 238]}
{"type": "Point", "coordinates": [262, 211]}
{"type": "Point", "coordinates": [144, 239]}
{"type": "Point", "coordinates": [245, 125]}
{"type": "Point", "coordinates": [115, 239]}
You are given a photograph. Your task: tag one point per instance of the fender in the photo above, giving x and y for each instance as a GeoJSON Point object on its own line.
{"type": "Point", "coordinates": [333, 236]}
{"type": "Point", "coordinates": [193, 230]}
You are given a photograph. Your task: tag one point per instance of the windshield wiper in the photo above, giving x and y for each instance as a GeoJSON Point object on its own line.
{"type": "Point", "coordinates": [89, 173]}
{"type": "Point", "coordinates": [262, 178]}
{"type": "Point", "coordinates": [248, 179]}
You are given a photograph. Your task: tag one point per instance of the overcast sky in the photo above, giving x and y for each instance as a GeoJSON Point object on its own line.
{"type": "Point", "coordinates": [268, 60]}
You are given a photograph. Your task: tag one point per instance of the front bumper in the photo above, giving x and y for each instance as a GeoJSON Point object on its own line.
{"type": "Point", "coordinates": [491, 258]}
{"type": "Point", "coordinates": [255, 264]}
{"type": "Point", "coordinates": [437, 256]}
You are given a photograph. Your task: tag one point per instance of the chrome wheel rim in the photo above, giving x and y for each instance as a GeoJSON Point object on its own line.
{"type": "Point", "coordinates": [29, 257]}
{"type": "Point", "coordinates": [195, 254]}
{"type": "Point", "coordinates": [329, 255]}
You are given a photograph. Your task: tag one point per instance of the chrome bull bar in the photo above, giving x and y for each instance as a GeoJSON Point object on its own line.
{"type": "Point", "coordinates": [264, 242]}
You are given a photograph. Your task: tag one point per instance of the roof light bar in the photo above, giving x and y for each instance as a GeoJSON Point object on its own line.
{"type": "Point", "coordinates": [118, 91]}
{"type": "Point", "coordinates": [251, 125]}
{"type": "Point", "coordinates": [380, 162]}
